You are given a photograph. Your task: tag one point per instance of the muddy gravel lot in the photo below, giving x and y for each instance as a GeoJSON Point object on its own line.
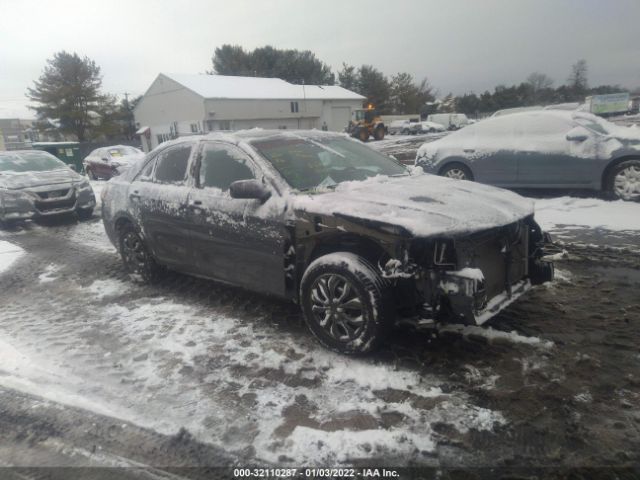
{"type": "Point", "coordinates": [98, 371]}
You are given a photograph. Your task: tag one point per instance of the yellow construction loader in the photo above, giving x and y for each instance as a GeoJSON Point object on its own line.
{"type": "Point", "coordinates": [366, 123]}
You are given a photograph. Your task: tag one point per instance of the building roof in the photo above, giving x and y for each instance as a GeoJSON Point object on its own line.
{"type": "Point", "coordinates": [223, 86]}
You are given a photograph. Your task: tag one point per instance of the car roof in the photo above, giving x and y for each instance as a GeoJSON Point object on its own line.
{"type": "Point", "coordinates": [254, 134]}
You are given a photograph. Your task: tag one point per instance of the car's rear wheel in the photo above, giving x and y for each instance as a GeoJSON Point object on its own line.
{"type": "Point", "coordinates": [346, 303]}
{"type": "Point", "coordinates": [623, 181]}
{"type": "Point", "coordinates": [457, 171]}
{"type": "Point", "coordinates": [137, 259]}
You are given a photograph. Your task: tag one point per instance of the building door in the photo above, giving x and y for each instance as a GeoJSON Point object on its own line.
{"type": "Point", "coordinates": [340, 117]}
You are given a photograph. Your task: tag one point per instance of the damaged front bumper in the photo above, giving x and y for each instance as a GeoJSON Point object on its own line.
{"type": "Point", "coordinates": [466, 299]}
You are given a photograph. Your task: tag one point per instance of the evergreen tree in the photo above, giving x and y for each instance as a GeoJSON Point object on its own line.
{"type": "Point", "coordinates": [68, 93]}
{"type": "Point", "coordinates": [294, 66]}
{"type": "Point", "coordinates": [375, 86]}
{"type": "Point", "coordinates": [407, 96]}
{"type": "Point", "coordinates": [348, 77]}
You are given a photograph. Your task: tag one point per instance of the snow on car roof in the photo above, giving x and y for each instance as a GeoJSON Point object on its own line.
{"type": "Point", "coordinates": [224, 86]}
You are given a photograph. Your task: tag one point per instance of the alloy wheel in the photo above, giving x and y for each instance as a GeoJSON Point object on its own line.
{"type": "Point", "coordinates": [456, 173]}
{"type": "Point", "coordinates": [626, 183]}
{"type": "Point", "coordinates": [133, 252]}
{"type": "Point", "coordinates": [337, 307]}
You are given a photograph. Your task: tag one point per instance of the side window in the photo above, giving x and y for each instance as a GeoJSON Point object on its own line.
{"type": "Point", "coordinates": [147, 171]}
{"type": "Point", "coordinates": [171, 165]}
{"type": "Point", "coordinates": [222, 165]}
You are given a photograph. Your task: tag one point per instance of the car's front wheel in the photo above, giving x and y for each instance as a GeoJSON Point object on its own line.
{"type": "Point", "coordinates": [624, 180]}
{"type": "Point", "coordinates": [90, 174]}
{"type": "Point", "coordinates": [457, 171]}
{"type": "Point", "coordinates": [137, 259]}
{"type": "Point", "coordinates": [346, 303]}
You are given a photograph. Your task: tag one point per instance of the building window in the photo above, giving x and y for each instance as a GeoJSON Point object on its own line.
{"type": "Point", "coordinates": [294, 107]}
{"type": "Point", "coordinates": [163, 137]}
{"type": "Point", "coordinates": [224, 124]}
{"type": "Point", "coordinates": [194, 128]}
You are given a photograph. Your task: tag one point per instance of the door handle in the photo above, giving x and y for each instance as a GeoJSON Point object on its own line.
{"type": "Point", "coordinates": [469, 150]}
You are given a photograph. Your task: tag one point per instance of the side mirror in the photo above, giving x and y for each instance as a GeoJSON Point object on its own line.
{"type": "Point", "coordinates": [249, 189]}
{"type": "Point", "coordinates": [577, 134]}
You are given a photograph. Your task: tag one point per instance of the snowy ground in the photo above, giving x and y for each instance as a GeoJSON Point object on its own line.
{"type": "Point", "coordinates": [554, 381]}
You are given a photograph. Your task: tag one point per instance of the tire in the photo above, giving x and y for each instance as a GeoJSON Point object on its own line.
{"type": "Point", "coordinates": [137, 260]}
{"type": "Point", "coordinates": [378, 134]}
{"type": "Point", "coordinates": [346, 304]}
{"type": "Point", "coordinates": [363, 134]}
{"type": "Point", "coordinates": [456, 171]}
{"type": "Point", "coordinates": [623, 181]}
{"type": "Point", "coordinates": [90, 174]}
{"type": "Point", "coordinates": [84, 213]}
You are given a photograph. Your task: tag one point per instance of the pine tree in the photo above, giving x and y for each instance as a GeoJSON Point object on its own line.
{"type": "Point", "coordinates": [68, 93]}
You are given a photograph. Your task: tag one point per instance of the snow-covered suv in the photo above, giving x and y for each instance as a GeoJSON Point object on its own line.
{"type": "Point", "coordinates": [320, 219]}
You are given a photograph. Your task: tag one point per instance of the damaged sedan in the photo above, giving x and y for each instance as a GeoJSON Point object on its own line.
{"type": "Point", "coordinates": [356, 239]}
{"type": "Point", "coordinates": [35, 184]}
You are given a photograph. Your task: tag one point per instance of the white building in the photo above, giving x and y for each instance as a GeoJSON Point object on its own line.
{"type": "Point", "coordinates": [176, 105]}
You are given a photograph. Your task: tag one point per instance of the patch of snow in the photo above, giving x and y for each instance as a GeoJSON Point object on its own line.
{"type": "Point", "coordinates": [491, 334]}
{"type": "Point", "coordinates": [108, 288]}
{"type": "Point", "coordinates": [49, 274]}
{"type": "Point", "coordinates": [9, 253]}
{"type": "Point", "coordinates": [620, 215]}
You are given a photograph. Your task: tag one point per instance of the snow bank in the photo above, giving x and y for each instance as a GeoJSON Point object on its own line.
{"type": "Point", "coordinates": [490, 334]}
{"type": "Point", "coordinates": [588, 212]}
{"type": "Point", "coordinates": [9, 253]}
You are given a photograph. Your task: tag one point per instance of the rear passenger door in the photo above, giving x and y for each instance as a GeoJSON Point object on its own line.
{"type": "Point", "coordinates": [160, 196]}
{"type": "Point", "coordinates": [546, 157]}
{"type": "Point", "coordinates": [240, 241]}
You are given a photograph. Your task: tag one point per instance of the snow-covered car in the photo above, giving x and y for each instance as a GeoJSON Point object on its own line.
{"type": "Point", "coordinates": [36, 184]}
{"type": "Point", "coordinates": [427, 127]}
{"type": "Point", "coordinates": [320, 219]}
{"type": "Point", "coordinates": [400, 126]}
{"type": "Point", "coordinates": [107, 162]}
{"type": "Point", "coordinates": [541, 149]}
{"type": "Point", "coordinates": [450, 121]}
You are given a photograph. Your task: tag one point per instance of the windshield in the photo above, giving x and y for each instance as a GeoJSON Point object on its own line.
{"type": "Point", "coordinates": [324, 162]}
{"type": "Point", "coordinates": [29, 162]}
{"type": "Point", "coordinates": [594, 123]}
{"type": "Point", "coordinates": [123, 151]}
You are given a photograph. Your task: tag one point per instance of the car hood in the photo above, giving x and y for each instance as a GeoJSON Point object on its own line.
{"type": "Point", "coordinates": [424, 205]}
{"type": "Point", "coordinates": [18, 180]}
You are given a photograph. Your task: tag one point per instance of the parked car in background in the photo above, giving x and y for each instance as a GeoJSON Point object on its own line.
{"type": "Point", "coordinates": [107, 162]}
{"type": "Point", "coordinates": [450, 121]}
{"type": "Point", "coordinates": [35, 184]}
{"type": "Point", "coordinates": [427, 127]}
{"type": "Point", "coordinates": [322, 220]}
{"type": "Point", "coordinates": [400, 126]}
{"type": "Point", "coordinates": [541, 149]}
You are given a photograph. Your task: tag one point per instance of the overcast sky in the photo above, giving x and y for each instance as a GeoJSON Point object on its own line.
{"type": "Point", "coordinates": [460, 45]}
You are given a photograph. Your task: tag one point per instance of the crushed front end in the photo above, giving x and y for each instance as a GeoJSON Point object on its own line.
{"type": "Point", "coordinates": [471, 278]}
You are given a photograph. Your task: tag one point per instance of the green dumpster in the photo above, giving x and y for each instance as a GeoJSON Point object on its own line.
{"type": "Point", "coordinates": [68, 152]}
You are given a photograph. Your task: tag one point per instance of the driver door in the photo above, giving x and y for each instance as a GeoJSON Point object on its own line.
{"type": "Point", "coordinates": [240, 241]}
